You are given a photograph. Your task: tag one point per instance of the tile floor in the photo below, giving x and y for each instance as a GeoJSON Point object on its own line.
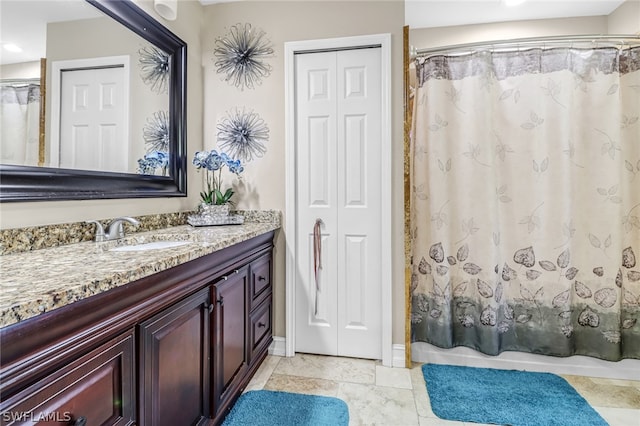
{"type": "Point", "coordinates": [378, 395]}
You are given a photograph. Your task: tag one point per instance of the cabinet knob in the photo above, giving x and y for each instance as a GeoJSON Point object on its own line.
{"type": "Point", "coordinates": [261, 324]}
{"type": "Point", "coordinates": [210, 307]}
{"type": "Point", "coordinates": [235, 271]}
{"type": "Point", "coordinates": [220, 301]}
{"type": "Point", "coordinates": [261, 278]}
{"type": "Point", "coordinates": [80, 421]}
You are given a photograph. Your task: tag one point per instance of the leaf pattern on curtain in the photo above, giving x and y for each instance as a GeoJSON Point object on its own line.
{"type": "Point", "coordinates": [525, 203]}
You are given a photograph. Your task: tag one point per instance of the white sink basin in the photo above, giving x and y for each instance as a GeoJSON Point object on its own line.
{"type": "Point", "coordinates": [156, 245]}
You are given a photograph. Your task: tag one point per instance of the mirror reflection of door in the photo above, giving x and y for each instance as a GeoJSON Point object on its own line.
{"type": "Point", "coordinates": [93, 116]}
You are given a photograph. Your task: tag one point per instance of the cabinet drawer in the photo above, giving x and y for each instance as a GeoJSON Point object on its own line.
{"type": "Point", "coordinates": [260, 285]}
{"type": "Point", "coordinates": [97, 387]}
{"type": "Point", "coordinates": [260, 329]}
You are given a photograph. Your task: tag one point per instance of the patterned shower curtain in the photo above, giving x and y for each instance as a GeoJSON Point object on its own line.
{"type": "Point", "coordinates": [525, 224]}
{"type": "Point", "coordinates": [19, 124]}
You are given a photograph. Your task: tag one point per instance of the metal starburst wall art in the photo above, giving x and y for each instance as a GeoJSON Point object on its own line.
{"type": "Point", "coordinates": [156, 132]}
{"type": "Point", "coordinates": [242, 134]}
{"type": "Point", "coordinates": [154, 68]}
{"type": "Point", "coordinates": [240, 55]}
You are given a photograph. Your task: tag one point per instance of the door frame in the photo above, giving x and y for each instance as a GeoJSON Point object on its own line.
{"type": "Point", "coordinates": [57, 68]}
{"type": "Point", "coordinates": [290, 226]}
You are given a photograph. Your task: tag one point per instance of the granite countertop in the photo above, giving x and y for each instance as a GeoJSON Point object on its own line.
{"type": "Point", "coordinates": [38, 281]}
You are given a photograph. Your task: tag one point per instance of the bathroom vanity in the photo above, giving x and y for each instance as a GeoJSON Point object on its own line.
{"type": "Point", "coordinates": [174, 346]}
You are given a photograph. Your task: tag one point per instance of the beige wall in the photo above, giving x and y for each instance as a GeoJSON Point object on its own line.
{"type": "Point", "coordinates": [446, 36]}
{"type": "Point", "coordinates": [187, 27]}
{"type": "Point", "coordinates": [21, 70]}
{"type": "Point", "coordinates": [625, 19]}
{"type": "Point", "coordinates": [264, 180]}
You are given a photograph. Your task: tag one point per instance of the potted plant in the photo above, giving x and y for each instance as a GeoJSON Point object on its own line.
{"type": "Point", "coordinates": [215, 200]}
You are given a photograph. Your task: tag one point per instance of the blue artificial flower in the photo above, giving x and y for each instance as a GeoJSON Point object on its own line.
{"type": "Point", "coordinates": [152, 161]}
{"type": "Point", "coordinates": [235, 166]}
{"type": "Point", "coordinates": [200, 159]}
{"type": "Point", "coordinates": [212, 161]}
{"type": "Point", "coordinates": [157, 158]}
{"type": "Point", "coordinates": [144, 168]}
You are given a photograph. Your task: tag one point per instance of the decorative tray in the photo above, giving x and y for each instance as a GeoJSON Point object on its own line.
{"type": "Point", "coordinates": [232, 219]}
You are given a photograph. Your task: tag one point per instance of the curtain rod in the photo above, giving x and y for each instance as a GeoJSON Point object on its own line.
{"type": "Point", "coordinates": [514, 43]}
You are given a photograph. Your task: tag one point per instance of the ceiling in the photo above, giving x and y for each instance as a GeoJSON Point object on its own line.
{"type": "Point", "coordinates": [29, 34]}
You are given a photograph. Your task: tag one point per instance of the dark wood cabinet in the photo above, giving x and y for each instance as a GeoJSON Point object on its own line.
{"type": "Point", "coordinates": [174, 364]}
{"type": "Point", "coordinates": [230, 356]}
{"type": "Point", "coordinates": [174, 348]}
{"type": "Point", "coordinates": [241, 328]}
{"type": "Point", "coordinates": [95, 389]}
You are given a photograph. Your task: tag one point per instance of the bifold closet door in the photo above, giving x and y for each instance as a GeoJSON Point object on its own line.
{"type": "Point", "coordinates": [338, 157]}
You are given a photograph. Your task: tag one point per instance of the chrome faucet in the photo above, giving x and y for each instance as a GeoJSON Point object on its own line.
{"type": "Point", "coordinates": [114, 230]}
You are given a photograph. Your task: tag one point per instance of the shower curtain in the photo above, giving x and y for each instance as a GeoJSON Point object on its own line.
{"type": "Point", "coordinates": [525, 204]}
{"type": "Point", "coordinates": [20, 123]}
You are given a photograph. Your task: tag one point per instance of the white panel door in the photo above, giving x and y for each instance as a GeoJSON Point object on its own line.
{"type": "Point", "coordinates": [338, 156]}
{"type": "Point", "coordinates": [93, 119]}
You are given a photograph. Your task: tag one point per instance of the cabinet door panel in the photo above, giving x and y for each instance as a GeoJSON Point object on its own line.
{"type": "Point", "coordinates": [174, 363]}
{"type": "Point", "coordinates": [97, 387]}
{"type": "Point", "coordinates": [231, 354]}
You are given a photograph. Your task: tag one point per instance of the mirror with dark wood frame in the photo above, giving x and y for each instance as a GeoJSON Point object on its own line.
{"type": "Point", "coordinates": [27, 183]}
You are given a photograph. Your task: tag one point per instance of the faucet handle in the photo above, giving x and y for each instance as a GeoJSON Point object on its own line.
{"type": "Point", "coordinates": [100, 235]}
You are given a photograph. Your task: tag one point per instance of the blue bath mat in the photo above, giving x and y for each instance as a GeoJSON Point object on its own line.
{"type": "Point", "coordinates": [270, 408]}
{"type": "Point", "coordinates": [506, 397]}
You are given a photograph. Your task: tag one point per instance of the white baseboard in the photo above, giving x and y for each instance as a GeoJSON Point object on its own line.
{"type": "Point", "coordinates": [277, 347]}
{"type": "Point", "coordinates": [626, 369]}
{"type": "Point", "coordinates": [398, 356]}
